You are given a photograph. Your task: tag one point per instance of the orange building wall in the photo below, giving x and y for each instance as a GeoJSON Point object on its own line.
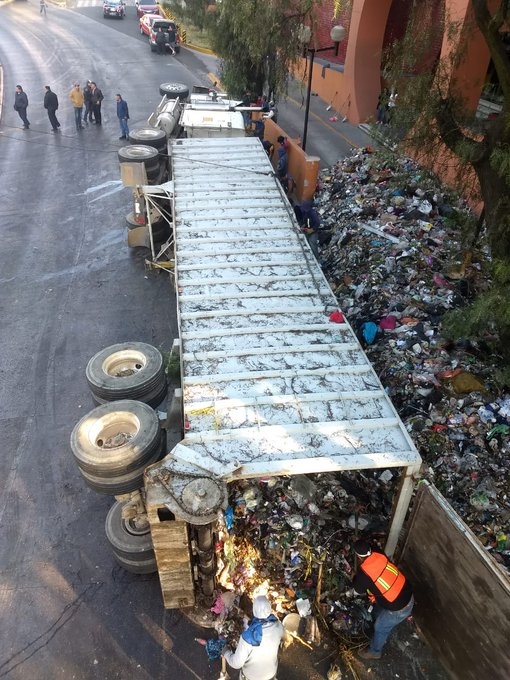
{"type": "Point", "coordinates": [371, 26]}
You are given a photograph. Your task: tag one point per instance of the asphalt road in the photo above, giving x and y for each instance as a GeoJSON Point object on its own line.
{"type": "Point", "coordinates": [70, 287]}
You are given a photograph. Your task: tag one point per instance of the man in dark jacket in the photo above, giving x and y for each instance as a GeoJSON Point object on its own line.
{"type": "Point", "coordinates": [282, 166]}
{"type": "Point", "coordinates": [21, 105]}
{"type": "Point", "coordinates": [87, 100]}
{"type": "Point", "coordinates": [160, 40]}
{"type": "Point", "coordinates": [122, 115]}
{"type": "Point", "coordinates": [387, 588]}
{"type": "Point", "coordinates": [96, 97]}
{"type": "Point", "coordinates": [171, 37]}
{"type": "Point", "coordinates": [51, 106]}
{"type": "Point", "coordinates": [309, 220]}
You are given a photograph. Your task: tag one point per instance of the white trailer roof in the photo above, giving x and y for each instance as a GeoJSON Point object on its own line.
{"type": "Point", "coordinates": [270, 385]}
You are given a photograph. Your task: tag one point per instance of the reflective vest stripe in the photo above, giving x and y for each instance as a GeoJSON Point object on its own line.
{"type": "Point", "coordinates": [383, 583]}
{"type": "Point", "coordinates": [386, 577]}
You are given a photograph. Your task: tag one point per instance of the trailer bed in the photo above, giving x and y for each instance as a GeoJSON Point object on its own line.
{"type": "Point", "coordinates": [270, 385]}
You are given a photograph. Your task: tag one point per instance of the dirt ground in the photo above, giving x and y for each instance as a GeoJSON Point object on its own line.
{"type": "Point", "coordinates": [406, 656]}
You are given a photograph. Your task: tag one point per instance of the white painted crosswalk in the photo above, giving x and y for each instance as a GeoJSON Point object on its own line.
{"type": "Point", "coordinates": [87, 3]}
{"type": "Point", "coordinates": [91, 3]}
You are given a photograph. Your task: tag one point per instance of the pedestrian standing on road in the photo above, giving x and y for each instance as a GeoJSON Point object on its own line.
{"type": "Point", "coordinates": [42, 7]}
{"type": "Point", "coordinates": [123, 116]}
{"type": "Point", "coordinates": [160, 40]}
{"type": "Point", "coordinates": [387, 588]}
{"type": "Point", "coordinates": [77, 100]}
{"type": "Point", "coordinates": [96, 97]}
{"type": "Point", "coordinates": [21, 105]}
{"type": "Point", "coordinates": [87, 100]}
{"type": "Point", "coordinates": [51, 106]}
{"type": "Point", "coordinates": [257, 650]}
{"type": "Point", "coordinates": [171, 37]}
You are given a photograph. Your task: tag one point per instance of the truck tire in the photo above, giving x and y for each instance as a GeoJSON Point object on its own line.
{"type": "Point", "coordinates": [127, 370]}
{"type": "Point", "coordinates": [174, 90]}
{"type": "Point", "coordinates": [120, 484]}
{"type": "Point", "coordinates": [131, 545]}
{"type": "Point", "coordinates": [148, 566]}
{"type": "Point", "coordinates": [152, 173]}
{"type": "Point", "coordinates": [149, 137]}
{"type": "Point", "coordinates": [133, 224]}
{"type": "Point", "coordinates": [161, 230]}
{"type": "Point", "coordinates": [139, 153]}
{"type": "Point", "coordinates": [116, 438]}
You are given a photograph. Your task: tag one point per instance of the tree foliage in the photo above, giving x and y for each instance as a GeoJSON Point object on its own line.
{"type": "Point", "coordinates": [258, 41]}
{"type": "Point", "coordinates": [195, 12]}
{"type": "Point", "coordinates": [433, 105]}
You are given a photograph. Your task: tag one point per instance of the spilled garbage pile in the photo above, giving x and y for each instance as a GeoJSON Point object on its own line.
{"type": "Point", "coordinates": [389, 248]}
{"type": "Point", "coordinates": [391, 251]}
{"type": "Point", "coordinates": [290, 538]}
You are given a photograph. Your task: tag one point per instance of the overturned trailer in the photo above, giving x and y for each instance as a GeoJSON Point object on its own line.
{"type": "Point", "coordinates": [274, 380]}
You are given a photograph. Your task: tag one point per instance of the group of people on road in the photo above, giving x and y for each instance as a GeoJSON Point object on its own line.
{"type": "Point", "coordinates": [166, 39]}
{"type": "Point", "coordinates": [90, 99]}
{"type": "Point", "coordinates": [86, 104]}
{"type": "Point", "coordinates": [256, 653]}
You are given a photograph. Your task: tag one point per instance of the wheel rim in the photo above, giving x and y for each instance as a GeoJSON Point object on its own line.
{"type": "Point", "coordinates": [123, 364]}
{"type": "Point", "coordinates": [136, 527]}
{"type": "Point", "coordinates": [106, 435]}
{"type": "Point", "coordinates": [174, 87]}
{"type": "Point", "coordinates": [140, 152]}
{"type": "Point", "coordinates": [148, 134]}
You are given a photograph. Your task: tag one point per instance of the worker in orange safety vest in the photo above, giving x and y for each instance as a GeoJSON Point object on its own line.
{"type": "Point", "coordinates": [387, 588]}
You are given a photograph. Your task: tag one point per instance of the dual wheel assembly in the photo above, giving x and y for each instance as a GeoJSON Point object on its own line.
{"type": "Point", "coordinates": [114, 443]}
{"type": "Point", "coordinates": [149, 145]}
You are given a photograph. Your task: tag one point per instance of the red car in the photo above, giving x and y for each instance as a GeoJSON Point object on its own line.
{"type": "Point", "coordinates": [146, 21]}
{"type": "Point", "coordinates": [155, 22]}
{"type": "Point", "coordinates": [141, 9]}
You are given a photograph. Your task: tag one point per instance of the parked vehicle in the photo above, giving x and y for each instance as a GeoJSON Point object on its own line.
{"type": "Point", "coordinates": [114, 8]}
{"type": "Point", "coordinates": [146, 8]}
{"type": "Point", "coordinates": [145, 23]}
{"type": "Point", "coordinates": [166, 24]}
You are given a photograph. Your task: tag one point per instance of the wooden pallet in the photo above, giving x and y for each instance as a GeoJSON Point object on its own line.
{"type": "Point", "coordinates": [170, 539]}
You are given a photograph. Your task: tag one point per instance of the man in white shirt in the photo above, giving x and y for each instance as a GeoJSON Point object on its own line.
{"type": "Point", "coordinates": [256, 654]}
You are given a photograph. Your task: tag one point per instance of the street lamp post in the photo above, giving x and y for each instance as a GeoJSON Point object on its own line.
{"type": "Point", "coordinates": [337, 35]}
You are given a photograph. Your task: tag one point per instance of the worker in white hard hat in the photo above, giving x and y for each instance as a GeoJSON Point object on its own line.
{"type": "Point", "coordinates": [256, 654]}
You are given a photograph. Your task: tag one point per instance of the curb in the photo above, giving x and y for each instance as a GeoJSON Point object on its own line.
{"type": "Point", "coordinates": [204, 50]}
{"type": "Point", "coordinates": [215, 80]}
